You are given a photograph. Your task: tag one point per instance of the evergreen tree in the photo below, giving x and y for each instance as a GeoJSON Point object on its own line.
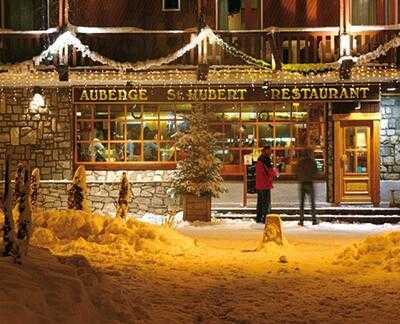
{"type": "Point", "coordinates": [198, 172]}
{"type": "Point", "coordinates": [24, 209]}
{"type": "Point", "coordinates": [6, 206]}
{"type": "Point", "coordinates": [122, 207]}
{"type": "Point", "coordinates": [34, 189]}
{"type": "Point", "coordinates": [77, 191]}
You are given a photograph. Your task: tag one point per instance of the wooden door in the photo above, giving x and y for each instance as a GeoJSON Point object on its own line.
{"type": "Point", "coordinates": [356, 172]}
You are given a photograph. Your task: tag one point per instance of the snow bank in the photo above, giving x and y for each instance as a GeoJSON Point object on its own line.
{"type": "Point", "coordinates": [61, 230]}
{"type": "Point", "coordinates": [381, 252]}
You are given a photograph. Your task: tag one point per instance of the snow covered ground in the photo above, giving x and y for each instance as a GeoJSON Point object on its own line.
{"type": "Point", "coordinates": [92, 269]}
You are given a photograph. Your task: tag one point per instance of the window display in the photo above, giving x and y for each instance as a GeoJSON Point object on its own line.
{"type": "Point", "coordinates": [143, 133]}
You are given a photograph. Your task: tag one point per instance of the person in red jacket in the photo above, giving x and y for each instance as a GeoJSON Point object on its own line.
{"type": "Point", "coordinates": [265, 174]}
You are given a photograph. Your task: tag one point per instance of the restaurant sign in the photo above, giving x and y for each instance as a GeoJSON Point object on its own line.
{"type": "Point", "coordinates": [227, 93]}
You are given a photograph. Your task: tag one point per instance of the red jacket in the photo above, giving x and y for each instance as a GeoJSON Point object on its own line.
{"type": "Point", "coordinates": [264, 176]}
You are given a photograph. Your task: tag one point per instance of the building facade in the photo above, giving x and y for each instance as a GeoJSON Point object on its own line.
{"type": "Point", "coordinates": [275, 76]}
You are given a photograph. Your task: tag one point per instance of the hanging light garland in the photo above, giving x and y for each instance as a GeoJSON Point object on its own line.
{"type": "Point", "coordinates": [380, 51]}
{"type": "Point", "coordinates": [69, 39]}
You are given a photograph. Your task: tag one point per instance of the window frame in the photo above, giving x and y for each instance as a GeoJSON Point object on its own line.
{"type": "Point", "coordinates": [166, 9]}
{"type": "Point", "coordinates": [237, 148]}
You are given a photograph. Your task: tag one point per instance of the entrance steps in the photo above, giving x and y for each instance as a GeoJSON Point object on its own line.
{"type": "Point", "coordinates": [349, 213]}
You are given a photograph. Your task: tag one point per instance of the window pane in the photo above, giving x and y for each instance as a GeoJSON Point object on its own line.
{"type": "Point", "coordinates": [150, 112]}
{"type": "Point", "coordinates": [150, 151]}
{"type": "Point", "coordinates": [84, 130]}
{"type": "Point", "coordinates": [266, 113]}
{"type": "Point", "coordinates": [101, 130]}
{"type": "Point", "coordinates": [363, 12]}
{"type": "Point", "coordinates": [283, 137]}
{"type": "Point", "coordinates": [350, 162]}
{"type": "Point", "coordinates": [300, 135]}
{"type": "Point", "coordinates": [299, 112]}
{"type": "Point", "coordinates": [282, 160]}
{"type": "Point", "coordinates": [134, 151]}
{"type": "Point", "coordinates": [134, 112]}
{"type": "Point", "coordinates": [117, 112]}
{"type": "Point", "coordinates": [134, 130]}
{"type": "Point", "coordinates": [83, 111]}
{"type": "Point", "coordinates": [320, 160]}
{"type": "Point", "coordinates": [117, 152]}
{"type": "Point", "coordinates": [232, 132]}
{"type": "Point", "coordinates": [167, 129]}
{"type": "Point", "coordinates": [266, 135]}
{"type": "Point", "coordinates": [315, 134]}
{"type": "Point", "coordinates": [316, 112]}
{"type": "Point", "coordinates": [231, 112]}
{"type": "Point", "coordinates": [349, 135]}
{"type": "Point", "coordinates": [362, 162]}
{"type": "Point", "coordinates": [249, 113]}
{"type": "Point", "coordinates": [232, 157]}
{"type": "Point", "coordinates": [282, 112]}
{"type": "Point", "coordinates": [101, 112]}
{"type": "Point", "coordinates": [167, 112]}
{"type": "Point", "coordinates": [361, 139]}
{"type": "Point", "coordinates": [98, 151]}
{"type": "Point", "coordinates": [171, 4]}
{"type": "Point", "coordinates": [167, 152]}
{"type": "Point", "coordinates": [150, 130]}
{"type": "Point", "coordinates": [84, 152]}
{"type": "Point", "coordinates": [248, 134]}
{"type": "Point", "coordinates": [117, 130]}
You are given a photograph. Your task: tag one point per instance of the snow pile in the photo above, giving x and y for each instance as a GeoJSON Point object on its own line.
{"type": "Point", "coordinates": [73, 231]}
{"type": "Point", "coordinates": [382, 251]}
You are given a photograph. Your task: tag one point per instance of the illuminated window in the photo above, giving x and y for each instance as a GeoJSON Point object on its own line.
{"type": "Point", "coordinates": [142, 134]}
{"type": "Point", "coordinates": [287, 127]}
{"type": "Point", "coordinates": [171, 5]}
{"type": "Point", "coordinates": [125, 133]}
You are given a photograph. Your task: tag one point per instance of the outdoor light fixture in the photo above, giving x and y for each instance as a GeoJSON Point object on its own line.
{"type": "Point", "coordinates": [357, 105]}
{"type": "Point", "coordinates": [37, 100]}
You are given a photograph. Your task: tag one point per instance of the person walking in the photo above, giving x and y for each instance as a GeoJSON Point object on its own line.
{"type": "Point", "coordinates": [265, 173]}
{"type": "Point", "coordinates": [306, 172]}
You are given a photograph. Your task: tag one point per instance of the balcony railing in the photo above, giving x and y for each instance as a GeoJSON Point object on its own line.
{"type": "Point", "coordinates": [289, 45]}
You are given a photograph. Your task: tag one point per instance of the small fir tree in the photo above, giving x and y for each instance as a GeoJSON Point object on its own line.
{"type": "Point", "coordinates": [6, 206]}
{"type": "Point", "coordinates": [77, 191]}
{"type": "Point", "coordinates": [34, 189]}
{"type": "Point", "coordinates": [24, 209]}
{"type": "Point", "coordinates": [124, 189]}
{"type": "Point", "coordinates": [198, 172]}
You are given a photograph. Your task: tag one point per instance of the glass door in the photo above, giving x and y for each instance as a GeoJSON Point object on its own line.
{"type": "Point", "coordinates": [356, 174]}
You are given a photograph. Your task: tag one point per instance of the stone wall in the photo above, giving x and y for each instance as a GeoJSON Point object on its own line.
{"type": "Point", "coordinates": [149, 192]}
{"type": "Point", "coordinates": [41, 136]}
{"type": "Point", "coordinates": [146, 197]}
{"type": "Point", "coordinates": [390, 138]}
